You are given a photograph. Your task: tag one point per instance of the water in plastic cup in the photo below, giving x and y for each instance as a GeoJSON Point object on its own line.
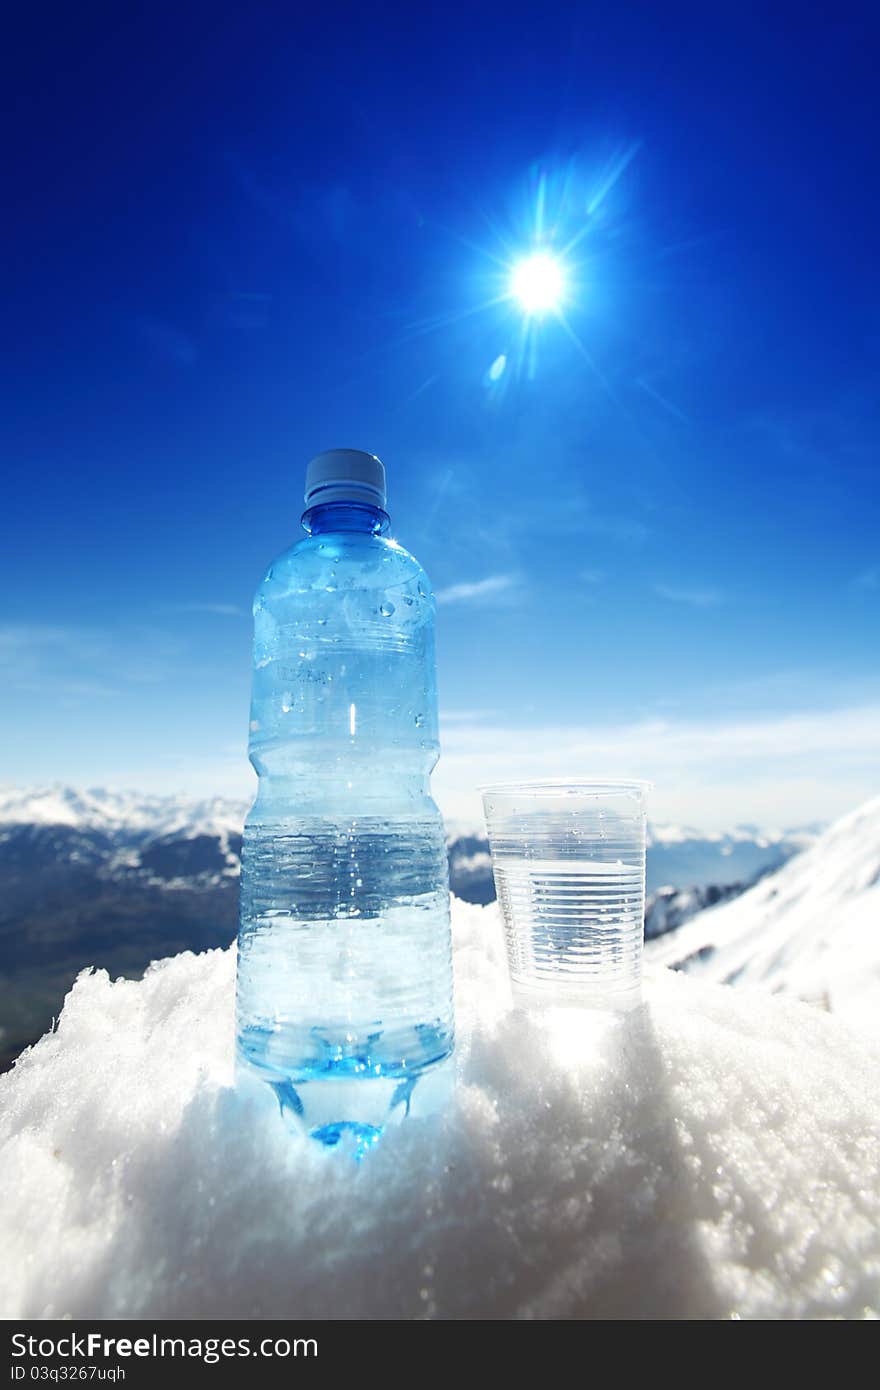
{"type": "Point", "coordinates": [569, 866]}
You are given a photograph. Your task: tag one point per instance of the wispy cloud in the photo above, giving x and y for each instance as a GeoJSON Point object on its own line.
{"type": "Point", "coordinates": [696, 597]}
{"type": "Point", "coordinates": [220, 610]}
{"type": "Point", "coordinates": [29, 647]}
{"type": "Point", "coordinates": [480, 590]}
{"type": "Point", "coordinates": [77, 662]}
{"type": "Point", "coordinates": [783, 770]}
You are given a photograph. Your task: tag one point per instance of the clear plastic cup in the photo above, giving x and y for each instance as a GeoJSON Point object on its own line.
{"type": "Point", "coordinates": [569, 866]}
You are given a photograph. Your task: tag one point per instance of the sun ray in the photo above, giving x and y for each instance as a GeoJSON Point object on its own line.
{"type": "Point", "coordinates": [609, 179]}
{"type": "Point", "coordinates": [524, 330]}
{"type": "Point", "coordinates": [540, 203]}
{"type": "Point", "coordinates": [663, 402]}
{"type": "Point", "coordinates": [618, 167]}
{"type": "Point", "coordinates": [599, 375]}
{"type": "Point", "coordinates": [433, 325]}
{"type": "Point", "coordinates": [424, 386]}
{"type": "Point", "coordinates": [473, 245]}
{"type": "Point", "coordinates": [506, 246]}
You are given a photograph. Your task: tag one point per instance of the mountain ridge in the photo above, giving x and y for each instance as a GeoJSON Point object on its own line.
{"type": "Point", "coordinates": [811, 929]}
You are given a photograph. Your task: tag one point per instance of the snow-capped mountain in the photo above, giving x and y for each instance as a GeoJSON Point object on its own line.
{"type": "Point", "coordinates": [683, 856]}
{"type": "Point", "coordinates": [161, 838]}
{"type": "Point", "coordinates": [812, 929]}
{"type": "Point", "coordinates": [128, 831]}
{"type": "Point", "coordinates": [119, 813]}
{"type": "Point", "coordinates": [669, 907]}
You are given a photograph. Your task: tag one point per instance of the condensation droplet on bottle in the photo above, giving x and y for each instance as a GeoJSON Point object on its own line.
{"type": "Point", "coordinates": [386, 609]}
{"type": "Point", "coordinates": [331, 586]}
{"type": "Point", "coordinates": [420, 719]}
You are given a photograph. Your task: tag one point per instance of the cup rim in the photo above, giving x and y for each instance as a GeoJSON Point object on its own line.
{"type": "Point", "coordinates": [552, 786]}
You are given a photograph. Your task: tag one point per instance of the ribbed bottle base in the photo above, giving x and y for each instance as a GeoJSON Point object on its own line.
{"type": "Point", "coordinates": [348, 1104]}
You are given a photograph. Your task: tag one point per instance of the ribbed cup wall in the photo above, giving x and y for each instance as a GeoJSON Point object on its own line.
{"type": "Point", "coordinates": [570, 879]}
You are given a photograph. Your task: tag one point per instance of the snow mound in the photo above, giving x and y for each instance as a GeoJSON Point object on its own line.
{"type": "Point", "coordinates": [714, 1154]}
{"type": "Point", "coordinates": [812, 929]}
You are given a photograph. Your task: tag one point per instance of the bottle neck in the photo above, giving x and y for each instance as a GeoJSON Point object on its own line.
{"type": "Point", "coordinates": [345, 516]}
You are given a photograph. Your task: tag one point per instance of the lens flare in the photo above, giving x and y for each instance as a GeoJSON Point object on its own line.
{"type": "Point", "coordinates": [538, 282]}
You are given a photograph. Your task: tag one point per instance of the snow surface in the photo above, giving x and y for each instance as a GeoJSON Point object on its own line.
{"type": "Point", "coordinates": [714, 1154]}
{"type": "Point", "coordinates": [812, 929]}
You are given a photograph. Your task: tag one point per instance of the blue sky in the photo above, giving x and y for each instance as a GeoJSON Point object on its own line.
{"type": "Point", "coordinates": [653, 527]}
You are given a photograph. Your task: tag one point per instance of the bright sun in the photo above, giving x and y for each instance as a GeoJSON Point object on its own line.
{"type": "Point", "coordinates": [538, 283]}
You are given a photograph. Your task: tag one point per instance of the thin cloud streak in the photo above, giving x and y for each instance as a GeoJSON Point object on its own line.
{"type": "Point", "coordinates": [695, 598]}
{"type": "Point", "coordinates": [479, 590]}
{"type": "Point", "coordinates": [220, 610]}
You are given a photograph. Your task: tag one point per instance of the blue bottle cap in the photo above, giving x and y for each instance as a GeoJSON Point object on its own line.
{"type": "Point", "coordinates": [345, 475]}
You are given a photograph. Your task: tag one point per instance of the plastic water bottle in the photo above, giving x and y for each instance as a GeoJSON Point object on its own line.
{"type": "Point", "coordinates": [344, 988]}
